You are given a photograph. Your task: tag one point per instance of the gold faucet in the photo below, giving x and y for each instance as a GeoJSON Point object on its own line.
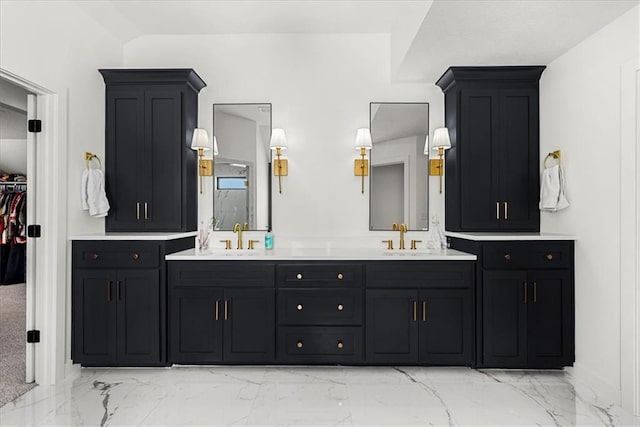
{"type": "Point", "coordinates": [239, 228]}
{"type": "Point", "coordinates": [402, 228]}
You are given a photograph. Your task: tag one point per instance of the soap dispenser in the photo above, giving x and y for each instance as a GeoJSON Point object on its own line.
{"type": "Point", "coordinates": [268, 240]}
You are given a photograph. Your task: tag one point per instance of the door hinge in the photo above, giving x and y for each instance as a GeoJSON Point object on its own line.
{"type": "Point", "coordinates": [33, 336]}
{"type": "Point", "coordinates": [34, 230]}
{"type": "Point", "coordinates": [35, 125]}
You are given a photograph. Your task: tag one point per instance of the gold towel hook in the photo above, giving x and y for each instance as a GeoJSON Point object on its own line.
{"type": "Point", "coordinates": [90, 156]}
{"type": "Point", "coordinates": [555, 155]}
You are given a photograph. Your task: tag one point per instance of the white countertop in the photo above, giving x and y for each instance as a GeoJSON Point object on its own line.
{"type": "Point", "coordinates": [508, 236]}
{"type": "Point", "coordinates": [335, 254]}
{"type": "Point", "coordinates": [134, 236]}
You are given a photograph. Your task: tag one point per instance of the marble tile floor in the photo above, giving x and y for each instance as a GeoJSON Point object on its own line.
{"type": "Point", "coordinates": [319, 396]}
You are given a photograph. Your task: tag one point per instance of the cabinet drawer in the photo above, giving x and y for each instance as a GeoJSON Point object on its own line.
{"type": "Point", "coordinates": [318, 274]}
{"type": "Point", "coordinates": [320, 306]}
{"type": "Point", "coordinates": [416, 274]}
{"type": "Point", "coordinates": [320, 344]}
{"type": "Point", "coordinates": [120, 254]}
{"type": "Point", "coordinates": [529, 255]}
{"type": "Point", "coordinates": [221, 273]}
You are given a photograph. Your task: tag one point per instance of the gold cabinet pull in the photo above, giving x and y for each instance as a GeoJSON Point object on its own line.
{"type": "Point", "coordinates": [217, 310]}
{"type": "Point", "coordinates": [549, 257]}
{"type": "Point", "coordinates": [506, 210]}
{"type": "Point", "coordinates": [226, 309]}
{"type": "Point", "coordinates": [299, 344]}
{"type": "Point", "coordinates": [507, 257]}
{"type": "Point", "coordinates": [299, 307]}
{"type": "Point", "coordinates": [415, 310]}
{"type": "Point", "coordinates": [524, 291]}
{"type": "Point", "coordinates": [340, 307]}
{"type": "Point", "coordinates": [340, 344]}
{"type": "Point", "coordinates": [340, 276]}
{"type": "Point", "coordinates": [535, 292]}
{"type": "Point", "coordinates": [146, 210]}
{"type": "Point", "coordinates": [424, 311]}
{"type": "Point", "coordinates": [138, 211]}
{"type": "Point", "coordinates": [136, 256]}
{"type": "Point", "coordinates": [109, 291]}
{"type": "Point", "coordinates": [95, 256]}
{"type": "Point", "coordinates": [497, 210]}
{"type": "Point", "coordinates": [299, 276]}
{"type": "Point", "coordinates": [118, 291]}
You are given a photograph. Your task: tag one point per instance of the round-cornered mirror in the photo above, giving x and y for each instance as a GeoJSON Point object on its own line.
{"type": "Point", "coordinates": [242, 188]}
{"type": "Point", "coordinates": [399, 175]}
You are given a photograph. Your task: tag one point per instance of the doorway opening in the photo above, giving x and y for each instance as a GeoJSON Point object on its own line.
{"type": "Point", "coordinates": [17, 106]}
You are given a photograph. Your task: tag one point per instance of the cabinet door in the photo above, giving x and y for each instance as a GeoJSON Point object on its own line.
{"type": "Point", "coordinates": [164, 151]}
{"type": "Point", "coordinates": [124, 157]}
{"type": "Point", "coordinates": [479, 160]}
{"type": "Point", "coordinates": [94, 317]}
{"type": "Point", "coordinates": [196, 325]}
{"type": "Point", "coordinates": [249, 325]}
{"type": "Point", "coordinates": [504, 319]}
{"type": "Point", "coordinates": [550, 319]}
{"type": "Point", "coordinates": [445, 326]}
{"type": "Point", "coordinates": [518, 164]}
{"type": "Point", "coordinates": [392, 326]}
{"type": "Point", "coordinates": [138, 297]}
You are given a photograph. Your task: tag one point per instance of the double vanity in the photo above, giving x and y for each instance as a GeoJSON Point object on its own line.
{"type": "Point", "coordinates": [159, 302]}
{"type": "Point", "coordinates": [501, 296]}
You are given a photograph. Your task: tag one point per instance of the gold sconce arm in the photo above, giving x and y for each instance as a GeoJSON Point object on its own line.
{"type": "Point", "coordinates": [280, 168]}
{"type": "Point", "coordinates": [361, 166]}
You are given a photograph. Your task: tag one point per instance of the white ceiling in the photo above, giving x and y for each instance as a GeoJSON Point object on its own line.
{"type": "Point", "coordinates": [434, 34]}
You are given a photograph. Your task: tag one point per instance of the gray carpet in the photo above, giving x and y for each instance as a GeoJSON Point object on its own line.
{"type": "Point", "coordinates": [12, 343]}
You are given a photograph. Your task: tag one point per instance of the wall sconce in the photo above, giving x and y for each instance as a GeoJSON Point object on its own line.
{"type": "Point", "coordinates": [363, 143]}
{"type": "Point", "coordinates": [280, 166]}
{"type": "Point", "coordinates": [440, 142]}
{"type": "Point", "coordinates": [200, 142]}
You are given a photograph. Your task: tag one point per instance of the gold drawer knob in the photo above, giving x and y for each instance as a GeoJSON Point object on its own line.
{"type": "Point", "coordinates": [340, 276]}
{"type": "Point", "coordinates": [340, 344]}
{"type": "Point", "coordinates": [549, 257]}
{"type": "Point", "coordinates": [94, 256]}
{"type": "Point", "coordinates": [340, 307]}
{"type": "Point", "coordinates": [136, 256]}
{"type": "Point", "coordinates": [507, 256]}
{"type": "Point", "coordinates": [299, 307]}
{"type": "Point", "coordinates": [299, 276]}
{"type": "Point", "coordinates": [299, 344]}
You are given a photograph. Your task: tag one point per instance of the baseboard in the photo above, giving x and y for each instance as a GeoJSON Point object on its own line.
{"type": "Point", "coordinates": [588, 377]}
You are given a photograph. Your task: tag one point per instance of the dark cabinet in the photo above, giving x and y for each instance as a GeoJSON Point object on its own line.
{"type": "Point", "coordinates": [150, 167]}
{"type": "Point", "coordinates": [492, 172]}
{"type": "Point", "coordinates": [525, 303]}
{"type": "Point", "coordinates": [221, 312]}
{"type": "Point", "coordinates": [118, 296]}
{"type": "Point", "coordinates": [431, 324]}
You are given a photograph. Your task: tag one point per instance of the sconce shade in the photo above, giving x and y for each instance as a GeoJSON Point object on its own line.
{"type": "Point", "coordinates": [215, 146]}
{"type": "Point", "coordinates": [278, 139]}
{"type": "Point", "coordinates": [200, 140]}
{"type": "Point", "coordinates": [441, 139]}
{"type": "Point", "coordinates": [363, 139]}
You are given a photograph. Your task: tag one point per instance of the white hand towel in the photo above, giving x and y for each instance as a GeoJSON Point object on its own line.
{"type": "Point", "coordinates": [96, 196]}
{"type": "Point", "coordinates": [552, 191]}
{"type": "Point", "coordinates": [83, 189]}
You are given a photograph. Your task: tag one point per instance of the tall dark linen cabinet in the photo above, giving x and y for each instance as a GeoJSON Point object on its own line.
{"type": "Point", "coordinates": [492, 176]}
{"type": "Point", "coordinates": [150, 167]}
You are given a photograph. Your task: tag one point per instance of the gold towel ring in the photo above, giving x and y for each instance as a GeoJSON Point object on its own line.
{"type": "Point", "coordinates": [90, 156]}
{"type": "Point", "coordinates": [554, 155]}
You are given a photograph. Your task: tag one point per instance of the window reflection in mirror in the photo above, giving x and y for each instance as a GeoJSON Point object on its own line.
{"type": "Point", "coordinates": [398, 166]}
{"type": "Point", "coordinates": [241, 171]}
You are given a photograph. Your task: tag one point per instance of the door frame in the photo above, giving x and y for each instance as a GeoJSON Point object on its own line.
{"type": "Point", "coordinates": [629, 232]}
{"type": "Point", "coordinates": [47, 290]}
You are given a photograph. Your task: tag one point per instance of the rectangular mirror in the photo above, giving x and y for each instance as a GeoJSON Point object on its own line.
{"type": "Point", "coordinates": [242, 186]}
{"type": "Point", "coordinates": [399, 175]}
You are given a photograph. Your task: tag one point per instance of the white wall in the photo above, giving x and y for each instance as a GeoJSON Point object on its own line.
{"type": "Point", "coordinates": [320, 87]}
{"type": "Point", "coordinates": [580, 95]}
